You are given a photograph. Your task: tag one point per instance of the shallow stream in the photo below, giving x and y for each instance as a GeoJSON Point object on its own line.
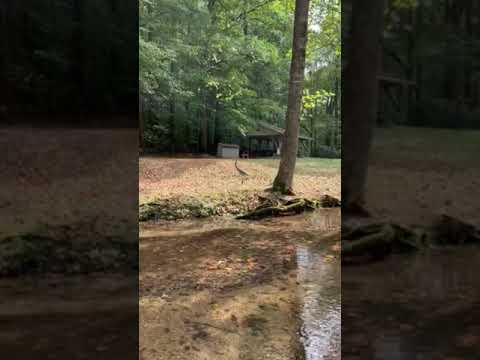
{"type": "Point", "coordinates": [319, 291]}
{"type": "Point", "coordinates": [314, 237]}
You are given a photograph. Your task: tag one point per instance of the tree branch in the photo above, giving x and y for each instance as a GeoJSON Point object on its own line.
{"type": "Point", "coordinates": [246, 12]}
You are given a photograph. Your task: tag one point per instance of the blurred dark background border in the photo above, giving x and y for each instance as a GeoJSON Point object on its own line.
{"type": "Point", "coordinates": [410, 225]}
{"type": "Point", "coordinates": [69, 186]}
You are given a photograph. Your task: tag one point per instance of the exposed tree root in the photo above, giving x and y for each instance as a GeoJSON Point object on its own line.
{"type": "Point", "coordinates": [377, 240]}
{"type": "Point", "coordinates": [449, 230]}
{"type": "Point", "coordinates": [284, 206]}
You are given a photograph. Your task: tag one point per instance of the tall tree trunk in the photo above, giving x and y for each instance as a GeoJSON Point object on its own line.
{"type": "Point", "coordinates": [141, 125]}
{"type": "Point", "coordinates": [468, 60]}
{"type": "Point", "coordinates": [217, 130]}
{"type": "Point", "coordinates": [419, 29]}
{"type": "Point", "coordinates": [453, 76]}
{"type": "Point", "coordinates": [204, 128]}
{"type": "Point", "coordinates": [172, 124]}
{"type": "Point", "coordinates": [284, 179]}
{"type": "Point", "coordinates": [78, 57]}
{"type": "Point", "coordinates": [312, 131]}
{"type": "Point", "coordinates": [245, 18]}
{"type": "Point", "coordinates": [360, 99]}
{"type": "Point", "coordinates": [336, 113]}
{"type": "Point", "coordinates": [5, 58]}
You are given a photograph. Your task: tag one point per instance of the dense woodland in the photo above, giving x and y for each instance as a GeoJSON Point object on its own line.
{"type": "Point", "coordinates": [429, 68]}
{"type": "Point", "coordinates": [406, 62]}
{"type": "Point", "coordinates": [69, 58]}
{"type": "Point", "coordinates": [212, 70]}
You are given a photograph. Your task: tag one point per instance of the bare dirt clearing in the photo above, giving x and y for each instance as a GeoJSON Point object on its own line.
{"type": "Point", "coordinates": [417, 173]}
{"type": "Point", "coordinates": [162, 177]}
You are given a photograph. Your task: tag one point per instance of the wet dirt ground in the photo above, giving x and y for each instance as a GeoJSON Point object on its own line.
{"type": "Point", "coordinates": [423, 306]}
{"type": "Point", "coordinates": [230, 289]}
{"type": "Point", "coordinates": [69, 317]}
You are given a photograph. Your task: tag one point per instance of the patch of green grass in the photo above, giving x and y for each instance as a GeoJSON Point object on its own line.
{"type": "Point", "coordinates": [306, 166]}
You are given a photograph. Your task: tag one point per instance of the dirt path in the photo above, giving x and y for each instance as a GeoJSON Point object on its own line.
{"type": "Point", "coordinates": [223, 289]}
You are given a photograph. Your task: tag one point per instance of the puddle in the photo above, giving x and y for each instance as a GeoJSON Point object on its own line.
{"type": "Point", "coordinates": [423, 306]}
{"type": "Point", "coordinates": [321, 220]}
{"type": "Point", "coordinates": [319, 290]}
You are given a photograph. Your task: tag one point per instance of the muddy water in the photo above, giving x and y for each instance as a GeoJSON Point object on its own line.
{"type": "Point", "coordinates": [319, 222]}
{"type": "Point", "coordinates": [423, 306]}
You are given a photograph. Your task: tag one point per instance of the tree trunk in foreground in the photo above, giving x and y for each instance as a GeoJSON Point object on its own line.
{"type": "Point", "coordinates": [360, 99]}
{"type": "Point", "coordinates": [141, 127]}
{"type": "Point", "coordinates": [284, 179]}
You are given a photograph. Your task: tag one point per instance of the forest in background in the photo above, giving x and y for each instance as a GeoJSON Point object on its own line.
{"type": "Point", "coordinates": [429, 72]}
{"type": "Point", "coordinates": [212, 70]}
{"type": "Point", "coordinates": [67, 59]}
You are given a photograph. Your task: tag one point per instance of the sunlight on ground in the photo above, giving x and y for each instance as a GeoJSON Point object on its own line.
{"type": "Point", "coordinates": [167, 177]}
{"type": "Point", "coordinates": [306, 166]}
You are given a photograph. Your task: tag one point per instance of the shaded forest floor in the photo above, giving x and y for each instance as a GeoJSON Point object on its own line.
{"type": "Point", "coordinates": [424, 172]}
{"type": "Point", "coordinates": [57, 176]}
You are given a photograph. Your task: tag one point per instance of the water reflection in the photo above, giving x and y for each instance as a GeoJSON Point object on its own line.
{"type": "Point", "coordinates": [319, 278]}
